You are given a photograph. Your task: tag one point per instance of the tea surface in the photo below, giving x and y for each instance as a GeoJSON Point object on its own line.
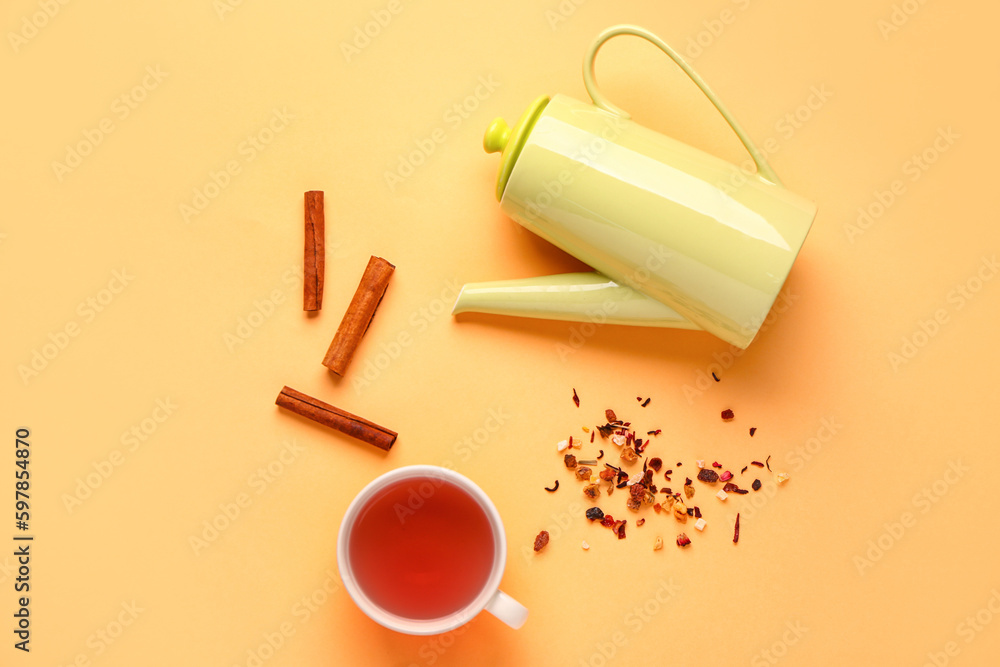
{"type": "Point", "coordinates": [422, 548]}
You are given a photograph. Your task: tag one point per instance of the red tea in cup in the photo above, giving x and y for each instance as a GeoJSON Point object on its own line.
{"type": "Point", "coordinates": [422, 548]}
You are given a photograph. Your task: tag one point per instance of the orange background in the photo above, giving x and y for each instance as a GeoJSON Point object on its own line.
{"type": "Point", "coordinates": [878, 551]}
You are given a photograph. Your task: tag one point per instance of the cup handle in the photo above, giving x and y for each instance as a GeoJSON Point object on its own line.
{"type": "Point", "coordinates": [763, 168]}
{"type": "Point", "coordinates": [507, 609]}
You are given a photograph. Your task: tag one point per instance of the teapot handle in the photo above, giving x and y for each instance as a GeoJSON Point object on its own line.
{"type": "Point", "coordinates": [763, 168]}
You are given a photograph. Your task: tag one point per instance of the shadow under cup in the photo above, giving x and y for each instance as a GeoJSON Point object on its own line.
{"type": "Point", "coordinates": [421, 550]}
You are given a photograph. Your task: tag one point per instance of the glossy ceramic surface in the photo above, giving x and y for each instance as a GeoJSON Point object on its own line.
{"type": "Point", "coordinates": [686, 229]}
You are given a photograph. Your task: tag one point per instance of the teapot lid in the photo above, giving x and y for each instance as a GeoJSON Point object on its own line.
{"type": "Point", "coordinates": [500, 138]}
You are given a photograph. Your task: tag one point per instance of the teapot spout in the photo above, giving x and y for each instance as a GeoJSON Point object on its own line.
{"type": "Point", "coordinates": [574, 297]}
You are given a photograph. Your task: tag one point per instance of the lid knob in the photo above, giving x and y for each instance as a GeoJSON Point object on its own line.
{"type": "Point", "coordinates": [496, 136]}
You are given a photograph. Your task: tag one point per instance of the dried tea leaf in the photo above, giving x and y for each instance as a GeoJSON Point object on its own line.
{"type": "Point", "coordinates": [708, 475]}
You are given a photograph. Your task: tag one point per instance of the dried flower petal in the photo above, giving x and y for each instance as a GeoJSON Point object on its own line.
{"type": "Point", "coordinates": [646, 402]}
{"type": "Point", "coordinates": [726, 476]}
{"type": "Point", "coordinates": [576, 399]}
{"type": "Point", "coordinates": [655, 464]}
{"type": "Point", "coordinates": [541, 540]}
{"type": "Point", "coordinates": [683, 540]}
{"type": "Point", "coordinates": [620, 529]}
{"type": "Point", "coordinates": [553, 488]}
{"type": "Point", "coordinates": [715, 377]}
{"type": "Point", "coordinates": [640, 521]}
{"type": "Point", "coordinates": [608, 521]}
{"type": "Point", "coordinates": [718, 465]}
{"type": "Point", "coordinates": [757, 463]}
{"type": "Point", "coordinates": [753, 429]}
{"type": "Point", "coordinates": [767, 462]}
{"type": "Point", "coordinates": [736, 532]}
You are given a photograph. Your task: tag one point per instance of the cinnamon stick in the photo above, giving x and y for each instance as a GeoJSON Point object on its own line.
{"type": "Point", "coordinates": [335, 418]}
{"type": "Point", "coordinates": [314, 266]}
{"type": "Point", "coordinates": [359, 315]}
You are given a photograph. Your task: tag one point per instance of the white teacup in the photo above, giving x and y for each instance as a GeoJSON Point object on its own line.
{"type": "Point", "coordinates": [489, 597]}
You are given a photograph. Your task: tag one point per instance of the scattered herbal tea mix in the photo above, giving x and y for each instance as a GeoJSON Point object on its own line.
{"type": "Point", "coordinates": [639, 486]}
